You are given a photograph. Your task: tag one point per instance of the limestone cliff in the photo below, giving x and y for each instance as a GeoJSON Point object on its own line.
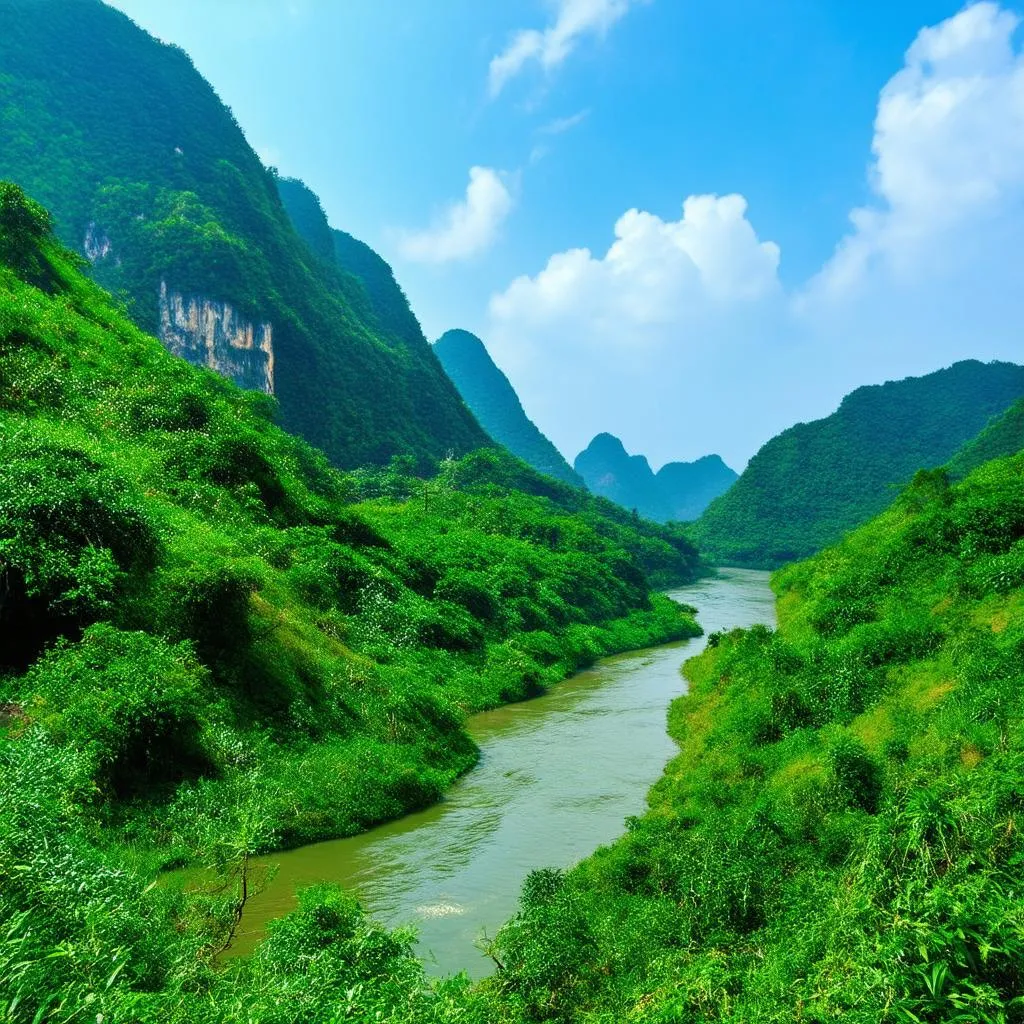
{"type": "Point", "coordinates": [96, 244]}
{"type": "Point", "coordinates": [212, 334]}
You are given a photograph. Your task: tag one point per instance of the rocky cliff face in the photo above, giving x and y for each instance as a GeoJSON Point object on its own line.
{"type": "Point", "coordinates": [212, 334]}
{"type": "Point", "coordinates": [96, 244]}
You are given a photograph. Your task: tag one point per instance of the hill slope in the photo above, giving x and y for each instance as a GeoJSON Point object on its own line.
{"type": "Point", "coordinates": [812, 482]}
{"type": "Point", "coordinates": [678, 492]}
{"type": "Point", "coordinates": [147, 173]}
{"type": "Point", "coordinates": [211, 642]}
{"type": "Point", "coordinates": [839, 836]}
{"type": "Point", "coordinates": [494, 402]}
{"type": "Point", "coordinates": [1004, 435]}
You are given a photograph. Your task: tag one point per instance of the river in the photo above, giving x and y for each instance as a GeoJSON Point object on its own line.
{"type": "Point", "coordinates": [557, 777]}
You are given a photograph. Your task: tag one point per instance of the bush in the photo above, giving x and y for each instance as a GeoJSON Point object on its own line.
{"type": "Point", "coordinates": [132, 702]}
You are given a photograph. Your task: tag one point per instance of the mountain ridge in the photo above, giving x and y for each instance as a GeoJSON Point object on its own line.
{"type": "Point", "coordinates": [494, 402]}
{"type": "Point", "coordinates": [678, 492]}
{"type": "Point", "coordinates": [809, 484]}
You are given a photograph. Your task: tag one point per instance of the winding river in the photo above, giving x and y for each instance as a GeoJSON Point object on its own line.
{"type": "Point", "coordinates": [556, 779]}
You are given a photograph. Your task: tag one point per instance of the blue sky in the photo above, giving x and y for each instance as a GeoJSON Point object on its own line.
{"type": "Point", "coordinates": [708, 332]}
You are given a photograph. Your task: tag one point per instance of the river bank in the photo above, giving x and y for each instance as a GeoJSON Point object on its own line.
{"type": "Point", "coordinates": [557, 777]}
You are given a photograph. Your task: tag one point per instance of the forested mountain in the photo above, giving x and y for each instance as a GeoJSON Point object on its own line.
{"type": "Point", "coordinates": [679, 491]}
{"type": "Point", "coordinates": [812, 482]}
{"type": "Point", "coordinates": [380, 298]}
{"type": "Point", "coordinates": [689, 487]}
{"type": "Point", "coordinates": [147, 174]}
{"type": "Point", "coordinates": [212, 642]}
{"type": "Point", "coordinates": [494, 402]}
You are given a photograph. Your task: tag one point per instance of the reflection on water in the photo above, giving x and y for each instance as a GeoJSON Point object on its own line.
{"type": "Point", "coordinates": [557, 777]}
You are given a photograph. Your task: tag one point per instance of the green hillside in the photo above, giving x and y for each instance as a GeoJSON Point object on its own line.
{"type": "Point", "coordinates": [814, 481]}
{"type": "Point", "coordinates": [211, 642]}
{"type": "Point", "coordinates": [839, 837]}
{"type": "Point", "coordinates": [494, 402]}
{"type": "Point", "coordinates": [146, 171]}
{"type": "Point", "coordinates": [1004, 435]}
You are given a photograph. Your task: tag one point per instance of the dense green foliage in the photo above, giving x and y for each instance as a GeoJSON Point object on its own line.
{"type": "Point", "coordinates": [678, 492]}
{"type": "Point", "coordinates": [213, 643]}
{"type": "Point", "coordinates": [814, 481]}
{"type": "Point", "coordinates": [1004, 435]}
{"type": "Point", "coordinates": [128, 146]}
{"type": "Point", "coordinates": [380, 299]}
{"type": "Point", "coordinates": [494, 402]}
{"type": "Point", "coordinates": [840, 835]}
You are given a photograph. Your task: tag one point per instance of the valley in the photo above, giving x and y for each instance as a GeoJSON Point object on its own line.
{"type": "Point", "coordinates": [334, 687]}
{"type": "Point", "coordinates": [557, 776]}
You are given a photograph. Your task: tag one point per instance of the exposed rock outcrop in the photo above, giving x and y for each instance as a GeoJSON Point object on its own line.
{"type": "Point", "coordinates": [212, 334]}
{"type": "Point", "coordinates": [96, 244]}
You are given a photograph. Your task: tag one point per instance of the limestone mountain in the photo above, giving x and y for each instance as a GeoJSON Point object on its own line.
{"type": "Point", "coordinates": [149, 177]}
{"type": "Point", "coordinates": [810, 484]}
{"type": "Point", "coordinates": [679, 491]}
{"type": "Point", "coordinates": [609, 470]}
{"type": "Point", "coordinates": [689, 487]}
{"type": "Point", "coordinates": [494, 402]}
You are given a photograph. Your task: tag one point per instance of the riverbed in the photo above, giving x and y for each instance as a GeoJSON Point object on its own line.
{"type": "Point", "coordinates": [557, 777]}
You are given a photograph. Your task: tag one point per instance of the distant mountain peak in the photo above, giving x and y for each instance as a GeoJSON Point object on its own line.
{"type": "Point", "coordinates": [678, 491]}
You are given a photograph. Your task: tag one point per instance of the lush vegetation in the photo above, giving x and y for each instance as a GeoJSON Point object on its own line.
{"type": "Point", "coordinates": [213, 643]}
{"type": "Point", "coordinates": [840, 836]}
{"type": "Point", "coordinates": [1004, 435]}
{"type": "Point", "coordinates": [678, 492]}
{"type": "Point", "coordinates": [814, 481]}
{"type": "Point", "coordinates": [128, 146]}
{"type": "Point", "coordinates": [202, 623]}
{"type": "Point", "coordinates": [487, 391]}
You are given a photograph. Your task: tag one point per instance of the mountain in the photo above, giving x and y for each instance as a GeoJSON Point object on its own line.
{"type": "Point", "coordinates": [212, 642]}
{"type": "Point", "coordinates": [626, 479]}
{"type": "Point", "coordinates": [1004, 435]}
{"type": "Point", "coordinates": [678, 492]}
{"type": "Point", "coordinates": [814, 481]}
{"type": "Point", "coordinates": [689, 487]}
{"type": "Point", "coordinates": [494, 402]}
{"type": "Point", "coordinates": [148, 175]}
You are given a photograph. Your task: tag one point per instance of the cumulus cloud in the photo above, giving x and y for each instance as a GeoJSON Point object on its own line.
{"type": "Point", "coordinates": [465, 228]}
{"type": "Point", "coordinates": [655, 273]}
{"type": "Point", "coordinates": [948, 154]}
{"type": "Point", "coordinates": [574, 19]}
{"type": "Point", "coordinates": [681, 339]}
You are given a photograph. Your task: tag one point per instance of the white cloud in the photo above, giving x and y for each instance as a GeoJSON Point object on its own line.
{"type": "Point", "coordinates": [680, 337]}
{"type": "Point", "coordinates": [573, 20]}
{"type": "Point", "coordinates": [466, 227]}
{"type": "Point", "coordinates": [655, 273]}
{"type": "Point", "coordinates": [948, 154]}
